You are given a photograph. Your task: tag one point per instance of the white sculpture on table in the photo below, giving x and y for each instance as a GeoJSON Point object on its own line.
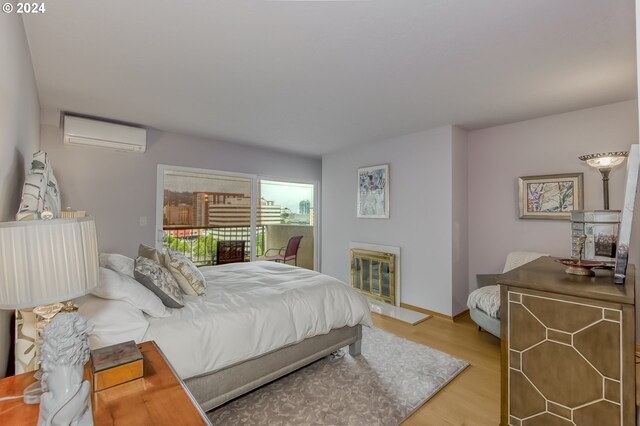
{"type": "Point", "coordinates": [65, 351]}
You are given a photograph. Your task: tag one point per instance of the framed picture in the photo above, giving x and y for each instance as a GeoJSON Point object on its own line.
{"type": "Point", "coordinates": [550, 196]}
{"type": "Point", "coordinates": [624, 231]}
{"type": "Point", "coordinates": [373, 192]}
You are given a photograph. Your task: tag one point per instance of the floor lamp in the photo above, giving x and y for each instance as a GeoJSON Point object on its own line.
{"type": "Point", "coordinates": [605, 162]}
{"type": "Point", "coordinates": [44, 262]}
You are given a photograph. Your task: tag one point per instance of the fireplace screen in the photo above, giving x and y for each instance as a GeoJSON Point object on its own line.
{"type": "Point", "coordinates": [373, 273]}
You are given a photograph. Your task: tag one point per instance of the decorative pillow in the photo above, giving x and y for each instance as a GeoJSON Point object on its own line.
{"type": "Point", "coordinates": [187, 274]}
{"type": "Point", "coordinates": [35, 188]}
{"type": "Point", "coordinates": [52, 197]}
{"type": "Point", "coordinates": [151, 253]}
{"type": "Point", "coordinates": [159, 280]}
{"type": "Point", "coordinates": [40, 191]}
{"type": "Point", "coordinates": [116, 286]}
{"type": "Point", "coordinates": [117, 262]}
{"type": "Point", "coordinates": [114, 321]}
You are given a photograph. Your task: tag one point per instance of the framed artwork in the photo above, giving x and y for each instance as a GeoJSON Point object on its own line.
{"type": "Point", "coordinates": [373, 192]}
{"type": "Point", "coordinates": [624, 230]}
{"type": "Point", "coordinates": [550, 196]}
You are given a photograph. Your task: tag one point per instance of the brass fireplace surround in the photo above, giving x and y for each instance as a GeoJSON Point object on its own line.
{"type": "Point", "coordinates": [373, 274]}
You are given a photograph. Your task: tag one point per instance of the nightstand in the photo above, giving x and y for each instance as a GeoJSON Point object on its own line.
{"type": "Point", "coordinates": [159, 398]}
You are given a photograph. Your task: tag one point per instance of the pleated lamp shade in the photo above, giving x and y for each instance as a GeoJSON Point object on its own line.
{"type": "Point", "coordinates": [47, 261]}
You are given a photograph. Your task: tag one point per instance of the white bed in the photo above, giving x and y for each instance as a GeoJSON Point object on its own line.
{"type": "Point", "coordinates": [257, 322]}
{"type": "Point", "coordinates": [251, 309]}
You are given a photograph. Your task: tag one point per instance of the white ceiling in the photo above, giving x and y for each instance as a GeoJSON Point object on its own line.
{"type": "Point", "coordinates": [314, 76]}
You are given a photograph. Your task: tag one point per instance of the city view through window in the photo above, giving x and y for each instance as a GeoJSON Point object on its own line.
{"type": "Point", "coordinates": [199, 209]}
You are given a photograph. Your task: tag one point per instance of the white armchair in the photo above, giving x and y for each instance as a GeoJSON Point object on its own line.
{"type": "Point", "coordinates": [484, 302]}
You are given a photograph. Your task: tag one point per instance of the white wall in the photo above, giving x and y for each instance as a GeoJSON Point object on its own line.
{"type": "Point", "coordinates": [420, 223]}
{"type": "Point", "coordinates": [549, 145]}
{"type": "Point", "coordinates": [19, 131]}
{"type": "Point", "coordinates": [120, 187]}
{"type": "Point", "coordinates": [459, 215]}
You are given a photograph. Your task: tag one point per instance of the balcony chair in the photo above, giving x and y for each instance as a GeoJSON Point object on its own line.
{"type": "Point", "coordinates": [484, 302]}
{"type": "Point", "coordinates": [229, 252]}
{"type": "Point", "coordinates": [285, 254]}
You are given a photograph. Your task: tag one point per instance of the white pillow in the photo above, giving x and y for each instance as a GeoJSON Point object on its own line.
{"type": "Point", "coordinates": [114, 321]}
{"type": "Point", "coordinates": [117, 262]}
{"type": "Point", "coordinates": [117, 286]}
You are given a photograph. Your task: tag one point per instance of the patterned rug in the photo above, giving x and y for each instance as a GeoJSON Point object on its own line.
{"type": "Point", "coordinates": [390, 380]}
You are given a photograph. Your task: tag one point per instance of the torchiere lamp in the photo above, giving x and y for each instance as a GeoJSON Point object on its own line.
{"type": "Point", "coordinates": [44, 262]}
{"type": "Point", "coordinates": [605, 162]}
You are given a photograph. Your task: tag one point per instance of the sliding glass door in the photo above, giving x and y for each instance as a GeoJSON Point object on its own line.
{"type": "Point", "coordinates": [200, 208]}
{"type": "Point", "coordinates": [197, 209]}
{"type": "Point", "coordinates": [286, 210]}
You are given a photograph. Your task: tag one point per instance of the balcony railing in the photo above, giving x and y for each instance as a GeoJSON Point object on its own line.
{"type": "Point", "coordinates": [199, 244]}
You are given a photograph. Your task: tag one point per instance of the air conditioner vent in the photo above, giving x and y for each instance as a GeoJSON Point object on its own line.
{"type": "Point", "coordinates": [102, 134]}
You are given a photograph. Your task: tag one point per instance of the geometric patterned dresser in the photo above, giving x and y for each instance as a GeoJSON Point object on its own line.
{"type": "Point", "coordinates": [568, 347]}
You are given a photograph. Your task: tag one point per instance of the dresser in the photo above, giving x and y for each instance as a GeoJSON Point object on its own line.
{"type": "Point", "coordinates": [159, 398]}
{"type": "Point", "coordinates": [567, 347]}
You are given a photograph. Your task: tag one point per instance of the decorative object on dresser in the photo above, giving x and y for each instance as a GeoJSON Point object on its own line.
{"type": "Point", "coordinates": [373, 192]}
{"type": "Point", "coordinates": [580, 266]}
{"type": "Point", "coordinates": [605, 162]}
{"type": "Point", "coordinates": [568, 347]}
{"type": "Point", "coordinates": [600, 227]}
{"type": "Point", "coordinates": [115, 364]}
{"type": "Point", "coordinates": [45, 262]}
{"type": "Point", "coordinates": [550, 196]}
{"type": "Point", "coordinates": [624, 234]}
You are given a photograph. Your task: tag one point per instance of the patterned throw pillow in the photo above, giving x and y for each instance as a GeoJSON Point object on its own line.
{"type": "Point", "coordinates": [151, 253]}
{"type": "Point", "coordinates": [160, 281]}
{"type": "Point", "coordinates": [187, 274]}
{"type": "Point", "coordinates": [35, 188]}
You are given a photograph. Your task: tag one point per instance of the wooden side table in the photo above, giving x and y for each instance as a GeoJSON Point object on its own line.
{"type": "Point", "coordinates": [159, 398]}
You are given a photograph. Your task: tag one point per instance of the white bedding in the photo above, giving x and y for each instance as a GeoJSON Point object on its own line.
{"type": "Point", "coordinates": [251, 309]}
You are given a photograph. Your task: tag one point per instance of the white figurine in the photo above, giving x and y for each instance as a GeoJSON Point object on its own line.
{"type": "Point", "coordinates": [65, 351]}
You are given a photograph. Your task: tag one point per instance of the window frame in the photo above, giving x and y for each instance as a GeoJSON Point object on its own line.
{"type": "Point", "coordinates": [255, 182]}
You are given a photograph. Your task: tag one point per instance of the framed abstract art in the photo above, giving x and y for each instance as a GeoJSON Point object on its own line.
{"type": "Point", "coordinates": [550, 196]}
{"type": "Point", "coordinates": [373, 192]}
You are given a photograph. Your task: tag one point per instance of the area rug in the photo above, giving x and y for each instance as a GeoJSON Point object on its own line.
{"type": "Point", "coordinates": [390, 380]}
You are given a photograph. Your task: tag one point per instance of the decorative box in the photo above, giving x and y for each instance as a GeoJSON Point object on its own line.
{"type": "Point", "coordinates": [116, 364]}
{"type": "Point", "coordinates": [68, 213]}
{"type": "Point", "coordinates": [601, 230]}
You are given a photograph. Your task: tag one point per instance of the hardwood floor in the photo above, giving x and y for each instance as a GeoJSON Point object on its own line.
{"type": "Point", "coordinates": [472, 398]}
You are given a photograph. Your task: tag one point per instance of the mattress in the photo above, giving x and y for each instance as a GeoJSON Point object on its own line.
{"type": "Point", "coordinates": [251, 309]}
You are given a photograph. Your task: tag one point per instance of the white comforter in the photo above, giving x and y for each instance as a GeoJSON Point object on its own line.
{"type": "Point", "coordinates": [251, 309]}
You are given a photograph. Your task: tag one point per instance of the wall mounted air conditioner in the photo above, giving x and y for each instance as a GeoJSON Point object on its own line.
{"type": "Point", "coordinates": [88, 132]}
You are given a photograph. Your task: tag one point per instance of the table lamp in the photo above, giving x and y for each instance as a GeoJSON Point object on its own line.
{"type": "Point", "coordinates": [45, 262]}
{"type": "Point", "coordinates": [605, 162]}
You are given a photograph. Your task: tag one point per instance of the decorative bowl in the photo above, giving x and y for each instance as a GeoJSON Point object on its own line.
{"type": "Point", "coordinates": [581, 267]}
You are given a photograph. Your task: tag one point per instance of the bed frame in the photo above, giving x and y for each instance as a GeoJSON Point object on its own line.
{"type": "Point", "coordinates": [214, 389]}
